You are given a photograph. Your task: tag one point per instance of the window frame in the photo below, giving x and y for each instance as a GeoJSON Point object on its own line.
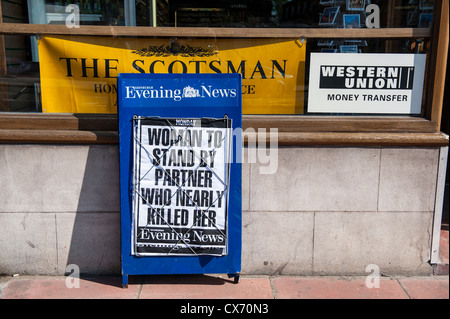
{"type": "Point", "coordinates": [292, 130]}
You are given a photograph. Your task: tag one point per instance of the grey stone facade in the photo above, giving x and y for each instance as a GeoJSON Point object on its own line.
{"type": "Point", "coordinates": [326, 210]}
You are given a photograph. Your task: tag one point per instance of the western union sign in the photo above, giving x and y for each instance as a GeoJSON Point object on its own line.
{"type": "Point", "coordinates": [79, 74]}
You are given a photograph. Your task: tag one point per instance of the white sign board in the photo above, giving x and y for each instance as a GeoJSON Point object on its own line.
{"type": "Point", "coordinates": [181, 186]}
{"type": "Point", "coordinates": [366, 83]}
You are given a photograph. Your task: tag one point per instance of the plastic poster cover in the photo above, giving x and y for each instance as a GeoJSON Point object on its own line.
{"type": "Point", "coordinates": [180, 186]}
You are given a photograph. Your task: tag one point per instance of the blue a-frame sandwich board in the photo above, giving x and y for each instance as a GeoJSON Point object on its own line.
{"type": "Point", "coordinates": [218, 96]}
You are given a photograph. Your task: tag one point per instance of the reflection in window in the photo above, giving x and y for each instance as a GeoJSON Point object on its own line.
{"type": "Point", "coordinates": [236, 14]}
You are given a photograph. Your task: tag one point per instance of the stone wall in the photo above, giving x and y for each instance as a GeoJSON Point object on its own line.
{"type": "Point", "coordinates": [326, 210]}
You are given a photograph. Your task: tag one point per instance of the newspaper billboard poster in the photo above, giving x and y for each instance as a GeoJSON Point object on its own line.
{"type": "Point", "coordinates": [180, 186]}
{"type": "Point", "coordinates": [369, 83]}
{"type": "Point", "coordinates": [180, 148]}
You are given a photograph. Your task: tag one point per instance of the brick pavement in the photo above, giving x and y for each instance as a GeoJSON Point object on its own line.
{"type": "Point", "coordinates": [220, 287]}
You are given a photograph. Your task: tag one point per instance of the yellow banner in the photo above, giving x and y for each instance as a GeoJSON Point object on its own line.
{"type": "Point", "coordinates": [78, 74]}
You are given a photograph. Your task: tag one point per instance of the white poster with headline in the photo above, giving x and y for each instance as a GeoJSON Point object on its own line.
{"type": "Point", "coordinates": [181, 186]}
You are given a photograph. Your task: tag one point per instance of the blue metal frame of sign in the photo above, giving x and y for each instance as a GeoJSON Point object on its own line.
{"type": "Point", "coordinates": [180, 97]}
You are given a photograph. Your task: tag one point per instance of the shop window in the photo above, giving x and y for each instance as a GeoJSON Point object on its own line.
{"type": "Point", "coordinates": [275, 69]}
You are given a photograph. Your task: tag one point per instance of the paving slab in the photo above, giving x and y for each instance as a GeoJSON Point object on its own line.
{"type": "Point", "coordinates": [435, 287]}
{"type": "Point", "coordinates": [186, 287]}
{"type": "Point", "coordinates": [335, 288]}
{"type": "Point", "coordinates": [205, 287]}
{"type": "Point", "coordinates": [56, 288]}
